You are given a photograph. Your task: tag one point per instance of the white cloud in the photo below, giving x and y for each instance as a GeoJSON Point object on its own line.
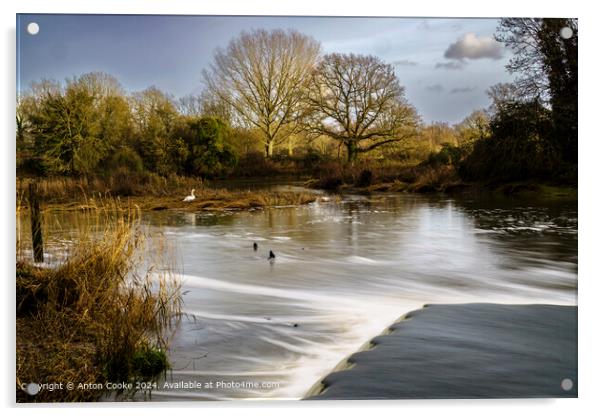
{"type": "Point", "coordinates": [470, 46]}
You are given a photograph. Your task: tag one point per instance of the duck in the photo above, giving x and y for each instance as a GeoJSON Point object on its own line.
{"type": "Point", "coordinates": [190, 197]}
{"type": "Point", "coordinates": [271, 256]}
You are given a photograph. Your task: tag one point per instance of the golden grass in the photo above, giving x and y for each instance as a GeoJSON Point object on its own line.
{"type": "Point", "coordinates": [83, 194]}
{"type": "Point", "coordinates": [92, 317]}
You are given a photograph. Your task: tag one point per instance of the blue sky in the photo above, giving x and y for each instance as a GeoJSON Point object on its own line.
{"type": "Point", "coordinates": [445, 64]}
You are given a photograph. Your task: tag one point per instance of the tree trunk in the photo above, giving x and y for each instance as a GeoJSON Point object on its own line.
{"type": "Point", "coordinates": [269, 149]}
{"type": "Point", "coordinates": [36, 224]}
{"type": "Point", "coordinates": [351, 151]}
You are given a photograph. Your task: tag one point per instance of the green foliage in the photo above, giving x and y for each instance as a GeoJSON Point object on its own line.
{"type": "Point", "coordinates": [149, 362]}
{"type": "Point", "coordinates": [126, 157]}
{"type": "Point", "coordinates": [210, 154]}
{"type": "Point", "coordinates": [155, 117]}
{"type": "Point", "coordinates": [519, 146]}
{"type": "Point", "coordinates": [448, 155]}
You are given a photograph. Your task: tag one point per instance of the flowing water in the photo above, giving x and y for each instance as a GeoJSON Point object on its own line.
{"type": "Point", "coordinates": [344, 271]}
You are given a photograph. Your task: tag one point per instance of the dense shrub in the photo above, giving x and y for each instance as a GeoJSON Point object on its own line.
{"type": "Point", "coordinates": [448, 155]}
{"type": "Point", "coordinates": [34, 165]}
{"type": "Point", "coordinates": [255, 164]}
{"type": "Point", "coordinates": [312, 159]}
{"type": "Point", "coordinates": [520, 146]}
{"type": "Point", "coordinates": [127, 157]}
{"type": "Point", "coordinates": [209, 153]}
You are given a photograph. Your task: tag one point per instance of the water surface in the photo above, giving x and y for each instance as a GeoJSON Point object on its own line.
{"type": "Point", "coordinates": [345, 270]}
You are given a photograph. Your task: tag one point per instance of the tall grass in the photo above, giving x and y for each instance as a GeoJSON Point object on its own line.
{"type": "Point", "coordinates": [84, 194]}
{"type": "Point", "coordinates": [103, 314]}
{"type": "Point", "coordinates": [121, 183]}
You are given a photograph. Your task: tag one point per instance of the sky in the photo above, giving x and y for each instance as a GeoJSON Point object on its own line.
{"type": "Point", "coordinates": [445, 65]}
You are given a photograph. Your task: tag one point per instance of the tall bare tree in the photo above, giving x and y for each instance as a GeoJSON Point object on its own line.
{"type": "Point", "coordinates": [358, 101]}
{"type": "Point", "coordinates": [260, 75]}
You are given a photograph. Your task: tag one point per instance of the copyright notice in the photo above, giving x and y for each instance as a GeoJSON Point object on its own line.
{"type": "Point", "coordinates": [34, 388]}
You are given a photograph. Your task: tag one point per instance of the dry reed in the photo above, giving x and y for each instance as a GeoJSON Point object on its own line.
{"type": "Point", "coordinates": [101, 315]}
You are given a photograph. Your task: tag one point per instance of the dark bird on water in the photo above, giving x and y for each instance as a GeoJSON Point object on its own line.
{"type": "Point", "coordinates": [272, 256]}
{"type": "Point", "coordinates": [255, 246]}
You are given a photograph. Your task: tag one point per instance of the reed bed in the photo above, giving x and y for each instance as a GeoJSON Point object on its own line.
{"type": "Point", "coordinates": [68, 189]}
{"type": "Point", "coordinates": [104, 314]}
{"type": "Point", "coordinates": [84, 194]}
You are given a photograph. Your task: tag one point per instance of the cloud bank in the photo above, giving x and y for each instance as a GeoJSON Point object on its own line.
{"type": "Point", "coordinates": [470, 46]}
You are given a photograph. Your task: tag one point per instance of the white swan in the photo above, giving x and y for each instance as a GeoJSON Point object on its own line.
{"type": "Point", "coordinates": [190, 197]}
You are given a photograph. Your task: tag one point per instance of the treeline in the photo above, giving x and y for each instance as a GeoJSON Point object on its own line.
{"type": "Point", "coordinates": [273, 103]}
{"type": "Point", "coordinates": [532, 127]}
{"type": "Point", "coordinates": [90, 125]}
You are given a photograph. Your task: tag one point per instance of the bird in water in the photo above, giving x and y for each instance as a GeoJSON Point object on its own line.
{"type": "Point", "coordinates": [190, 197]}
{"type": "Point", "coordinates": [255, 246]}
{"type": "Point", "coordinates": [271, 256]}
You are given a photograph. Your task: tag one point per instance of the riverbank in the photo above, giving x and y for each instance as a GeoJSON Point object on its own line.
{"type": "Point", "coordinates": [464, 351]}
{"type": "Point", "coordinates": [64, 193]}
{"type": "Point", "coordinates": [96, 318]}
{"type": "Point", "coordinates": [85, 194]}
{"type": "Point", "coordinates": [520, 189]}
{"type": "Point", "coordinates": [206, 200]}
{"type": "Point", "coordinates": [437, 178]}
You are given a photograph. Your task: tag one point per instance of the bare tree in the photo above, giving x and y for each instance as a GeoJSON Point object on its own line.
{"type": "Point", "coordinates": [473, 127]}
{"type": "Point", "coordinates": [190, 105]}
{"type": "Point", "coordinates": [260, 75]}
{"type": "Point", "coordinates": [503, 93]}
{"type": "Point", "coordinates": [357, 100]}
{"type": "Point", "coordinates": [529, 39]}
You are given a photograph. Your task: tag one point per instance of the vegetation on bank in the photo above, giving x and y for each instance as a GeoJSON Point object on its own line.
{"type": "Point", "coordinates": [153, 193]}
{"type": "Point", "coordinates": [339, 119]}
{"type": "Point", "coordinates": [94, 318]}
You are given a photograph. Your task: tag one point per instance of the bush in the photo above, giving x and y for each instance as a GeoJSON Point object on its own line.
{"type": "Point", "coordinates": [520, 146]}
{"type": "Point", "coordinates": [33, 165]}
{"type": "Point", "coordinates": [127, 158]}
{"type": "Point", "coordinates": [448, 155]}
{"type": "Point", "coordinates": [312, 159]}
{"type": "Point", "coordinates": [210, 154]}
{"type": "Point", "coordinates": [255, 164]}
{"type": "Point", "coordinates": [149, 363]}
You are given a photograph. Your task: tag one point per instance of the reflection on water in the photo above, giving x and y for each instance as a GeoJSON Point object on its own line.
{"type": "Point", "coordinates": [344, 271]}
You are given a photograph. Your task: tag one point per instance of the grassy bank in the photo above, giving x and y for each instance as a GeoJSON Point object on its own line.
{"type": "Point", "coordinates": [153, 193]}
{"type": "Point", "coordinates": [430, 178]}
{"type": "Point", "coordinates": [94, 318]}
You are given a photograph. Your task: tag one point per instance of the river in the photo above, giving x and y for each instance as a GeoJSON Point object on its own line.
{"type": "Point", "coordinates": [344, 270]}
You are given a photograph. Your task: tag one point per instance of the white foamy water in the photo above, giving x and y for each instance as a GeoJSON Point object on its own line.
{"type": "Point", "coordinates": [343, 273]}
